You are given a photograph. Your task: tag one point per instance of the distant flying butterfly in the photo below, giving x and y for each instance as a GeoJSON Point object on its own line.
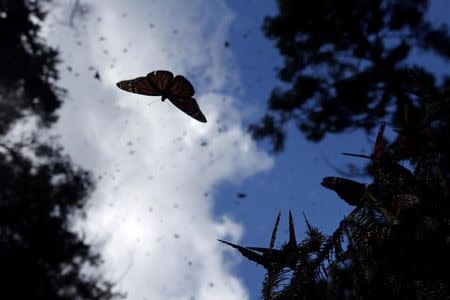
{"type": "Point", "coordinates": [177, 89]}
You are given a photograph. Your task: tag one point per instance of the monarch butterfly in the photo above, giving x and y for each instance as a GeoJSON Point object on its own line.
{"type": "Point", "coordinates": [268, 257]}
{"type": "Point", "coordinates": [162, 83]}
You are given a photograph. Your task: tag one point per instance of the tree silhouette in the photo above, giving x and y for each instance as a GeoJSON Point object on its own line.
{"type": "Point", "coordinates": [41, 257]}
{"type": "Point", "coordinates": [345, 65]}
{"type": "Point", "coordinates": [395, 243]}
{"type": "Point", "coordinates": [41, 190]}
{"type": "Point", "coordinates": [29, 66]}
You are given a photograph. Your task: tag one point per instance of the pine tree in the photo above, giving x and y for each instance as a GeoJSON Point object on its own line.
{"type": "Point", "coordinates": [395, 243]}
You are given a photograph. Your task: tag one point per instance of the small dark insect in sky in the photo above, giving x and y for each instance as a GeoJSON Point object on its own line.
{"type": "Point", "coordinates": [97, 75]}
{"type": "Point", "coordinates": [226, 44]}
{"type": "Point", "coordinates": [241, 195]}
{"type": "Point", "coordinates": [162, 83]}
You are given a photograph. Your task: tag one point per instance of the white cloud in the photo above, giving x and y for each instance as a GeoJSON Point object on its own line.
{"type": "Point", "coordinates": [149, 209]}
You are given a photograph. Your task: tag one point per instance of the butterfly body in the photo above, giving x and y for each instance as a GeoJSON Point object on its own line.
{"type": "Point", "coordinates": [164, 97]}
{"type": "Point", "coordinates": [177, 90]}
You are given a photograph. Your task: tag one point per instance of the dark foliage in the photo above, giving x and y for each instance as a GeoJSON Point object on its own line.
{"type": "Point", "coordinates": [345, 68]}
{"type": "Point", "coordinates": [40, 189]}
{"type": "Point", "coordinates": [28, 65]}
{"type": "Point", "coordinates": [395, 244]}
{"type": "Point", "coordinates": [345, 64]}
{"type": "Point", "coordinates": [41, 257]}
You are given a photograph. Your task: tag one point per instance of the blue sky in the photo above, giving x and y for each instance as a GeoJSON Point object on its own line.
{"type": "Point", "coordinates": [294, 181]}
{"type": "Point", "coordinates": [148, 215]}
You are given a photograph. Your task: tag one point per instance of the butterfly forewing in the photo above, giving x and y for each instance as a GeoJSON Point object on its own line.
{"type": "Point", "coordinates": [274, 232]}
{"type": "Point", "coordinates": [162, 83]}
{"type": "Point", "coordinates": [181, 87]}
{"type": "Point", "coordinates": [378, 150]}
{"type": "Point", "coordinates": [189, 106]}
{"type": "Point", "coordinates": [140, 85]}
{"type": "Point", "coordinates": [161, 79]}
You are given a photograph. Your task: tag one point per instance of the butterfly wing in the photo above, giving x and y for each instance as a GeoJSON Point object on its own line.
{"type": "Point", "coordinates": [181, 87]}
{"type": "Point", "coordinates": [161, 79]}
{"type": "Point", "coordinates": [140, 85]}
{"type": "Point", "coordinates": [179, 90]}
{"type": "Point", "coordinates": [378, 150]}
{"type": "Point", "coordinates": [188, 106]}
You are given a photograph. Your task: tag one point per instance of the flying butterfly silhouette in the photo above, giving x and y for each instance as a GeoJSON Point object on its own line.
{"type": "Point", "coordinates": [162, 83]}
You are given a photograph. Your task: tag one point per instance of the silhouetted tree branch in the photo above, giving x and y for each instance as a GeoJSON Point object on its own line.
{"type": "Point", "coordinates": [345, 63]}
{"type": "Point", "coordinates": [395, 243]}
{"type": "Point", "coordinates": [41, 190]}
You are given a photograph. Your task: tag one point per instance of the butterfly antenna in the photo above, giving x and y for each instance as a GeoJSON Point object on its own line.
{"type": "Point", "coordinates": [356, 155]}
{"type": "Point", "coordinates": [378, 149]}
{"type": "Point", "coordinates": [170, 105]}
{"type": "Point", "coordinates": [153, 102]}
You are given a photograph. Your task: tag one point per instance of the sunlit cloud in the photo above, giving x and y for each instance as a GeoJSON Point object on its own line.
{"type": "Point", "coordinates": [156, 168]}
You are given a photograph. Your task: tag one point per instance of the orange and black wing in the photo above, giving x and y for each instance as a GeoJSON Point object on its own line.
{"type": "Point", "coordinates": [181, 87]}
{"type": "Point", "coordinates": [160, 79]}
{"type": "Point", "coordinates": [140, 85]}
{"type": "Point", "coordinates": [378, 150]}
{"type": "Point", "coordinates": [189, 106]}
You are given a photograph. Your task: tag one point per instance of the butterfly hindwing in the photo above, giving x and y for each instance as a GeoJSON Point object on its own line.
{"type": "Point", "coordinates": [188, 106]}
{"type": "Point", "coordinates": [177, 89]}
{"type": "Point", "coordinates": [161, 79]}
{"type": "Point", "coordinates": [140, 85]}
{"type": "Point", "coordinates": [181, 87]}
